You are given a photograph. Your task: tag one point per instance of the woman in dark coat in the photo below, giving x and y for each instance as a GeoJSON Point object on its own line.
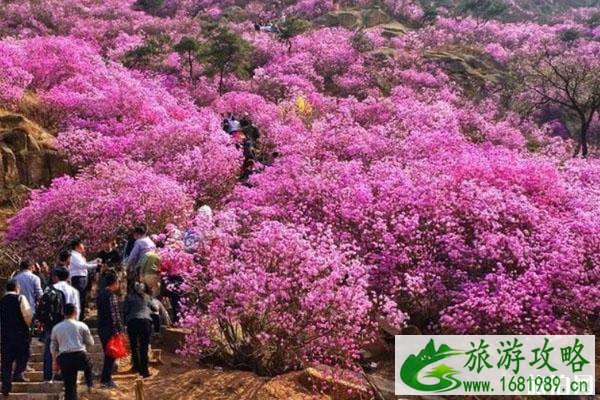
{"type": "Point", "coordinates": [138, 309]}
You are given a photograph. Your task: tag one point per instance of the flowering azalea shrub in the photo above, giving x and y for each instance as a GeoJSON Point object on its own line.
{"type": "Point", "coordinates": [112, 26]}
{"type": "Point", "coordinates": [398, 177]}
{"type": "Point", "coordinates": [99, 204]}
{"type": "Point", "coordinates": [107, 112]}
{"type": "Point", "coordinates": [436, 230]}
{"type": "Point", "coordinates": [275, 298]}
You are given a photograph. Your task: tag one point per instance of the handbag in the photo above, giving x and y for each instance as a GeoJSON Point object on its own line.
{"type": "Point", "coordinates": [117, 346]}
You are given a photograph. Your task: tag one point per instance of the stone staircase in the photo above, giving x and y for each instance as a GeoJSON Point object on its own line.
{"type": "Point", "coordinates": [37, 389]}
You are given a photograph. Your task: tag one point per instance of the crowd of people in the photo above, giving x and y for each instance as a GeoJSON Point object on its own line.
{"type": "Point", "coordinates": [274, 26]}
{"type": "Point", "coordinates": [54, 305]}
{"type": "Point", "coordinates": [268, 27]}
{"type": "Point", "coordinates": [246, 137]}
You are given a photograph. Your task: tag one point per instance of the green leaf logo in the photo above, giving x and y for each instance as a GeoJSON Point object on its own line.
{"type": "Point", "coordinates": [409, 373]}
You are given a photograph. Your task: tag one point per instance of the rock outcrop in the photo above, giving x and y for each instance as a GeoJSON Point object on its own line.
{"type": "Point", "coordinates": [28, 156]}
{"type": "Point", "coordinates": [346, 19]}
{"type": "Point", "coordinates": [363, 19]}
{"type": "Point", "coordinates": [393, 29]}
{"type": "Point", "coordinates": [471, 70]}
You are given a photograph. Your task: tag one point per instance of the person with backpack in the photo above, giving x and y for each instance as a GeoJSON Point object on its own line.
{"type": "Point", "coordinates": [50, 312]}
{"type": "Point", "coordinates": [69, 340]}
{"type": "Point", "coordinates": [62, 283]}
{"type": "Point", "coordinates": [15, 339]}
{"type": "Point", "coordinates": [52, 304]}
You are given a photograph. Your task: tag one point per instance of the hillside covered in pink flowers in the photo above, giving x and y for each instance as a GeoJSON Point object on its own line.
{"type": "Point", "coordinates": [426, 163]}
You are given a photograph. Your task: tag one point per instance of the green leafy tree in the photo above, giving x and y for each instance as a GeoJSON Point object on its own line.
{"type": "Point", "coordinates": [290, 27]}
{"type": "Point", "coordinates": [570, 35]}
{"type": "Point", "coordinates": [149, 6]}
{"type": "Point", "coordinates": [594, 20]}
{"type": "Point", "coordinates": [224, 52]}
{"type": "Point", "coordinates": [149, 54]}
{"type": "Point", "coordinates": [189, 48]}
{"type": "Point", "coordinates": [430, 11]}
{"type": "Point", "coordinates": [482, 10]}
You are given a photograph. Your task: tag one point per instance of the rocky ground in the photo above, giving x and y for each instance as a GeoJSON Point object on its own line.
{"type": "Point", "coordinates": [180, 380]}
{"type": "Point", "coordinates": [177, 379]}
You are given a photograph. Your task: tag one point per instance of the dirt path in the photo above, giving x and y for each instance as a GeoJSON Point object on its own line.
{"type": "Point", "coordinates": [178, 380]}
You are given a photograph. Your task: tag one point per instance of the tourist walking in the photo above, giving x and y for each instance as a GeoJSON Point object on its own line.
{"type": "Point", "coordinates": [138, 309]}
{"type": "Point", "coordinates": [80, 269]}
{"type": "Point", "coordinates": [250, 131]}
{"type": "Point", "coordinates": [52, 308]}
{"type": "Point", "coordinates": [110, 323]}
{"type": "Point", "coordinates": [69, 340]}
{"type": "Point", "coordinates": [15, 320]}
{"type": "Point", "coordinates": [43, 272]}
{"type": "Point", "coordinates": [111, 261]}
{"type": "Point", "coordinates": [30, 284]}
{"type": "Point", "coordinates": [71, 293]}
{"type": "Point", "coordinates": [171, 288]}
{"type": "Point", "coordinates": [143, 244]}
{"type": "Point", "coordinates": [149, 272]}
{"type": "Point", "coordinates": [231, 124]}
{"type": "Point", "coordinates": [160, 317]}
{"type": "Point", "coordinates": [109, 255]}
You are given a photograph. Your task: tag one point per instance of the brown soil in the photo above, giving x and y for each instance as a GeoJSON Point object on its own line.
{"type": "Point", "coordinates": [180, 380]}
{"type": "Point", "coordinates": [5, 214]}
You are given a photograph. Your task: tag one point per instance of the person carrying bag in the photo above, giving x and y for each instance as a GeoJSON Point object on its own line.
{"type": "Point", "coordinates": [110, 326]}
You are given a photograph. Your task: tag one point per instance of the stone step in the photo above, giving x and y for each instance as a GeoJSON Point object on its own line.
{"type": "Point", "coordinates": [96, 350]}
{"type": "Point", "coordinates": [38, 376]}
{"type": "Point", "coordinates": [35, 396]}
{"type": "Point", "coordinates": [39, 356]}
{"type": "Point", "coordinates": [35, 376]}
{"type": "Point", "coordinates": [37, 387]}
{"type": "Point", "coordinates": [155, 357]}
{"type": "Point", "coordinates": [97, 359]}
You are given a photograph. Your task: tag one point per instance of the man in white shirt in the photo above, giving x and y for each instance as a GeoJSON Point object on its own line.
{"type": "Point", "coordinates": [79, 270]}
{"type": "Point", "coordinates": [15, 320]}
{"type": "Point", "coordinates": [68, 342]}
{"type": "Point", "coordinates": [71, 296]}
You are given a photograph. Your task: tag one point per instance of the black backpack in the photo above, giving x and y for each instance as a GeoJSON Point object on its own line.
{"type": "Point", "coordinates": [51, 309]}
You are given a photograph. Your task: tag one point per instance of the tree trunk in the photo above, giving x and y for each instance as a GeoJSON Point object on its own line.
{"type": "Point", "coordinates": [584, 139]}
{"type": "Point", "coordinates": [577, 150]}
{"type": "Point", "coordinates": [221, 73]}
{"type": "Point", "coordinates": [191, 67]}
